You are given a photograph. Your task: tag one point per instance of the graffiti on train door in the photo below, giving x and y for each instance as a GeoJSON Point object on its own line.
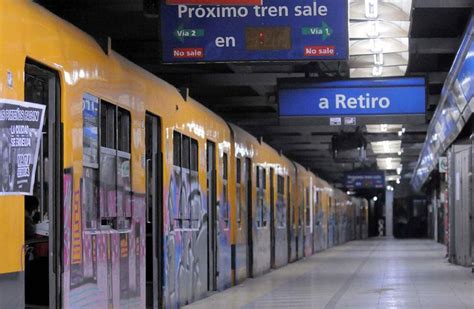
{"type": "Point", "coordinates": [185, 255]}
{"type": "Point", "coordinates": [111, 270]}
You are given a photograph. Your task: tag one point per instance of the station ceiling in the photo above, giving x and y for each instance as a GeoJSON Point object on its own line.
{"type": "Point", "coordinates": [245, 94]}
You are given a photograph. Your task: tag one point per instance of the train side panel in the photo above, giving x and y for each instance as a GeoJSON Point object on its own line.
{"type": "Point", "coordinates": [320, 233]}
{"type": "Point", "coordinates": [265, 173]}
{"type": "Point", "coordinates": [93, 259]}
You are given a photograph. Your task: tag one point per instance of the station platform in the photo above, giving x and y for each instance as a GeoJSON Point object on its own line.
{"type": "Point", "coordinates": [377, 273]}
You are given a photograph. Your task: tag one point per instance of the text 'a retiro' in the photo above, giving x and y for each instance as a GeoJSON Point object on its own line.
{"type": "Point", "coordinates": [361, 102]}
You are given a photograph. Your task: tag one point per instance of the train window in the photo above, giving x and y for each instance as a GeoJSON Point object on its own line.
{"type": "Point", "coordinates": [90, 130]}
{"type": "Point", "coordinates": [123, 130]}
{"type": "Point", "coordinates": [258, 176]}
{"type": "Point", "coordinates": [264, 178]}
{"type": "Point", "coordinates": [194, 155]}
{"type": "Point", "coordinates": [308, 208]}
{"type": "Point", "coordinates": [124, 183]}
{"type": "Point", "coordinates": [108, 163]}
{"type": "Point", "coordinates": [224, 166]}
{"type": "Point", "coordinates": [90, 174]}
{"type": "Point", "coordinates": [281, 209]}
{"type": "Point", "coordinates": [261, 184]}
{"type": "Point", "coordinates": [176, 148]}
{"type": "Point", "coordinates": [107, 125]}
{"type": "Point", "coordinates": [224, 191]}
{"type": "Point", "coordinates": [186, 156]}
{"type": "Point", "coordinates": [106, 173]}
{"type": "Point", "coordinates": [280, 184]}
{"type": "Point", "coordinates": [185, 151]}
{"type": "Point", "coordinates": [238, 171]}
{"type": "Point", "coordinates": [261, 215]}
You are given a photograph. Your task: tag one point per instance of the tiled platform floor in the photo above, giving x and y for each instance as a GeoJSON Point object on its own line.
{"type": "Point", "coordinates": [379, 273]}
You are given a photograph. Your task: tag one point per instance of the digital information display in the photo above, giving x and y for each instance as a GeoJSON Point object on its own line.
{"type": "Point", "coordinates": [390, 96]}
{"type": "Point", "coordinates": [249, 30]}
{"type": "Point", "coordinates": [365, 180]}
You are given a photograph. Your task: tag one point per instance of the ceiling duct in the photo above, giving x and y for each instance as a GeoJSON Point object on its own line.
{"type": "Point", "coordinates": [378, 37]}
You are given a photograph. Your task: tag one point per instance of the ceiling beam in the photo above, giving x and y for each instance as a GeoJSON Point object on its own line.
{"type": "Point", "coordinates": [259, 89]}
{"type": "Point", "coordinates": [433, 78]}
{"type": "Point", "coordinates": [434, 45]}
{"type": "Point", "coordinates": [438, 4]}
{"type": "Point", "coordinates": [243, 101]}
{"type": "Point", "coordinates": [231, 79]}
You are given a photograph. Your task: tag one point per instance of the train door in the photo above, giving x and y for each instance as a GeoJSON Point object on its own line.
{"type": "Point", "coordinates": [154, 213]}
{"type": "Point", "coordinates": [248, 167]}
{"type": "Point", "coordinates": [212, 215]}
{"type": "Point", "coordinates": [43, 266]}
{"type": "Point", "coordinates": [272, 218]}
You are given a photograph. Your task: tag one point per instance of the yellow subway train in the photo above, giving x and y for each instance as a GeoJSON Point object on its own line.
{"type": "Point", "coordinates": [148, 199]}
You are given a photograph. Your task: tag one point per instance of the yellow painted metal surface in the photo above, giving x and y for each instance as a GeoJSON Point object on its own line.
{"type": "Point", "coordinates": [11, 234]}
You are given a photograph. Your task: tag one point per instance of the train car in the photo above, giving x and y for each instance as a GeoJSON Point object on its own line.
{"type": "Point", "coordinates": [123, 171]}
{"type": "Point", "coordinates": [196, 225]}
{"type": "Point", "coordinates": [148, 198]}
{"type": "Point", "coordinates": [332, 219]}
{"type": "Point", "coordinates": [357, 214]}
{"type": "Point", "coordinates": [365, 219]}
{"type": "Point", "coordinates": [351, 226]}
{"type": "Point", "coordinates": [321, 195]}
{"type": "Point", "coordinates": [341, 200]}
{"type": "Point", "coordinates": [90, 186]}
{"type": "Point", "coordinates": [339, 212]}
{"type": "Point", "coordinates": [262, 196]}
{"type": "Point", "coordinates": [292, 216]}
{"type": "Point", "coordinates": [360, 213]}
{"type": "Point", "coordinates": [299, 202]}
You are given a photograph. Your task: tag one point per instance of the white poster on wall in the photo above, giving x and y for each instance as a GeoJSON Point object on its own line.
{"type": "Point", "coordinates": [21, 125]}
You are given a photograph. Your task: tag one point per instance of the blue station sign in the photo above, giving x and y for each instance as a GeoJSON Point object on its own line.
{"type": "Point", "coordinates": [365, 180]}
{"type": "Point", "coordinates": [254, 30]}
{"type": "Point", "coordinates": [391, 96]}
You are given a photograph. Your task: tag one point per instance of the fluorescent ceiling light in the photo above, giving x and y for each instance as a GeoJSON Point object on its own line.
{"type": "Point", "coordinates": [385, 72]}
{"type": "Point", "coordinates": [376, 46]}
{"type": "Point", "coordinates": [368, 61]}
{"type": "Point", "coordinates": [378, 37]}
{"type": "Point", "coordinates": [386, 147]}
{"type": "Point", "coordinates": [371, 9]}
{"type": "Point", "coordinates": [378, 29]}
{"type": "Point", "coordinates": [392, 10]}
{"type": "Point", "coordinates": [392, 177]}
{"type": "Point", "coordinates": [383, 128]}
{"type": "Point", "coordinates": [388, 163]}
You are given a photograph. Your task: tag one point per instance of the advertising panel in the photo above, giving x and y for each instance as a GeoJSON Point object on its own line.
{"type": "Point", "coordinates": [249, 30]}
{"type": "Point", "coordinates": [400, 96]}
{"type": "Point", "coordinates": [465, 76]}
{"type": "Point", "coordinates": [21, 125]}
{"type": "Point", "coordinates": [453, 111]}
